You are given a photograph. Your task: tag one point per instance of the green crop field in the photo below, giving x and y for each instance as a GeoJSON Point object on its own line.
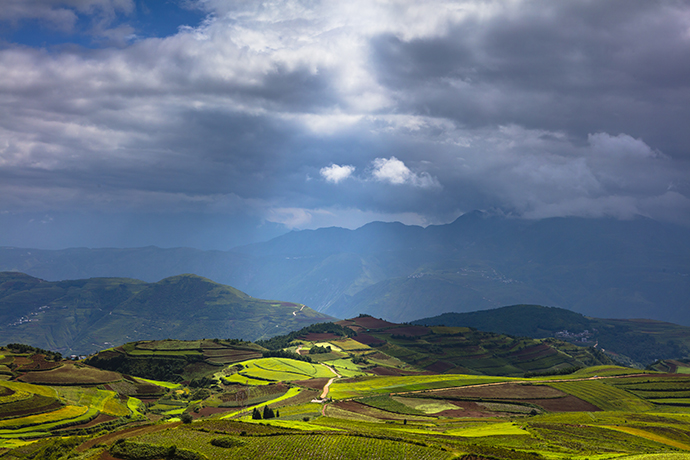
{"type": "Point", "coordinates": [605, 397]}
{"type": "Point", "coordinates": [278, 370]}
{"type": "Point", "coordinates": [312, 446]}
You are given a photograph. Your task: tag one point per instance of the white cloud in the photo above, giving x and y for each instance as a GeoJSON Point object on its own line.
{"type": "Point", "coordinates": [394, 171]}
{"type": "Point", "coordinates": [336, 173]}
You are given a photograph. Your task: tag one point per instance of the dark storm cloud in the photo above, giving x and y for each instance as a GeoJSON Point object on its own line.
{"type": "Point", "coordinates": [335, 113]}
{"type": "Point", "coordinates": [577, 67]}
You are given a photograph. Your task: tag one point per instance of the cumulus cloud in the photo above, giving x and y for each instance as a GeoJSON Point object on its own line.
{"type": "Point", "coordinates": [394, 171]}
{"type": "Point", "coordinates": [336, 173]}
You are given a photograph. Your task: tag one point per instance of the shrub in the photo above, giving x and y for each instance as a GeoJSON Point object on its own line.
{"type": "Point", "coordinates": [186, 418]}
{"type": "Point", "coordinates": [227, 442]}
{"type": "Point", "coordinates": [319, 350]}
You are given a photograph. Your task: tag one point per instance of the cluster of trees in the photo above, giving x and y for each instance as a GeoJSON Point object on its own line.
{"type": "Point", "coordinates": [150, 367]}
{"type": "Point", "coordinates": [319, 350]}
{"type": "Point", "coordinates": [286, 354]}
{"type": "Point", "coordinates": [23, 348]}
{"type": "Point", "coordinates": [267, 413]}
{"type": "Point", "coordinates": [283, 341]}
{"type": "Point", "coordinates": [359, 359]}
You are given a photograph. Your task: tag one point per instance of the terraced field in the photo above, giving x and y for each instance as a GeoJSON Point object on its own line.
{"type": "Point", "coordinates": [384, 402]}
{"type": "Point", "coordinates": [265, 370]}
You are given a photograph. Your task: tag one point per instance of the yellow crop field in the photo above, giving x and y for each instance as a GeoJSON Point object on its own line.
{"type": "Point", "coordinates": [604, 396]}
{"type": "Point", "coordinates": [328, 344]}
{"type": "Point", "coordinates": [30, 388]}
{"type": "Point", "coordinates": [651, 436]}
{"type": "Point", "coordinates": [105, 401]}
{"type": "Point", "coordinates": [350, 345]}
{"type": "Point", "coordinates": [278, 369]}
{"type": "Point", "coordinates": [489, 429]}
{"type": "Point", "coordinates": [160, 383]}
{"type": "Point", "coordinates": [369, 385]}
{"type": "Point", "coordinates": [64, 413]}
{"type": "Point", "coordinates": [16, 396]}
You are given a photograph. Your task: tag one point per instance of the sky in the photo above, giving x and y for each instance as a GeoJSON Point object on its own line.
{"type": "Point", "coordinates": [214, 123]}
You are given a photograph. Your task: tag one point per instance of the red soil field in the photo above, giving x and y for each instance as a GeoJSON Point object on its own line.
{"type": "Point", "coordinates": [69, 374]}
{"type": "Point", "coordinates": [206, 411]}
{"type": "Point", "coordinates": [508, 391]}
{"type": "Point", "coordinates": [466, 409]}
{"type": "Point", "coordinates": [413, 331]}
{"type": "Point", "coordinates": [36, 409]}
{"type": "Point", "coordinates": [358, 408]}
{"type": "Point", "coordinates": [315, 384]}
{"type": "Point", "coordinates": [369, 322]}
{"type": "Point", "coordinates": [440, 367]}
{"type": "Point", "coordinates": [379, 370]}
{"type": "Point", "coordinates": [229, 357]}
{"type": "Point", "coordinates": [534, 352]}
{"type": "Point", "coordinates": [21, 361]}
{"type": "Point", "coordinates": [38, 363]}
{"type": "Point", "coordinates": [367, 339]}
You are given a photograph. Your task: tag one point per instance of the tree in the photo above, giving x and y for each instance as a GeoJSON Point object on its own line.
{"type": "Point", "coordinates": [268, 413]}
{"type": "Point", "coordinates": [256, 415]}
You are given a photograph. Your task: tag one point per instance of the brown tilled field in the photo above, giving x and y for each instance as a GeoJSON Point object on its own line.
{"type": "Point", "coordinates": [314, 384]}
{"type": "Point", "coordinates": [440, 367]}
{"type": "Point", "coordinates": [369, 322]}
{"type": "Point", "coordinates": [412, 331]}
{"type": "Point", "coordinates": [535, 352]}
{"type": "Point", "coordinates": [69, 374]}
{"type": "Point", "coordinates": [38, 363]}
{"type": "Point", "coordinates": [36, 404]}
{"type": "Point", "coordinates": [507, 391]}
{"type": "Point", "coordinates": [367, 339]}
{"type": "Point", "coordinates": [225, 356]}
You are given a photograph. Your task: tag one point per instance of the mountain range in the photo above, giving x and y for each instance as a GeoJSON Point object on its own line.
{"type": "Point", "coordinates": [603, 267]}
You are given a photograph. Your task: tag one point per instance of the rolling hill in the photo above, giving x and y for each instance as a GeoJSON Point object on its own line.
{"type": "Point", "coordinates": [639, 268]}
{"type": "Point", "coordinates": [84, 316]}
{"type": "Point", "coordinates": [639, 341]}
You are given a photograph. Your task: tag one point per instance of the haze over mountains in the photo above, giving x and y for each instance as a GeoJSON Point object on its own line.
{"type": "Point", "coordinates": [602, 267]}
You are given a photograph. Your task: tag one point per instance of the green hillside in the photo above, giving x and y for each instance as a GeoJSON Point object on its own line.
{"type": "Point", "coordinates": [640, 342]}
{"type": "Point", "coordinates": [84, 316]}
